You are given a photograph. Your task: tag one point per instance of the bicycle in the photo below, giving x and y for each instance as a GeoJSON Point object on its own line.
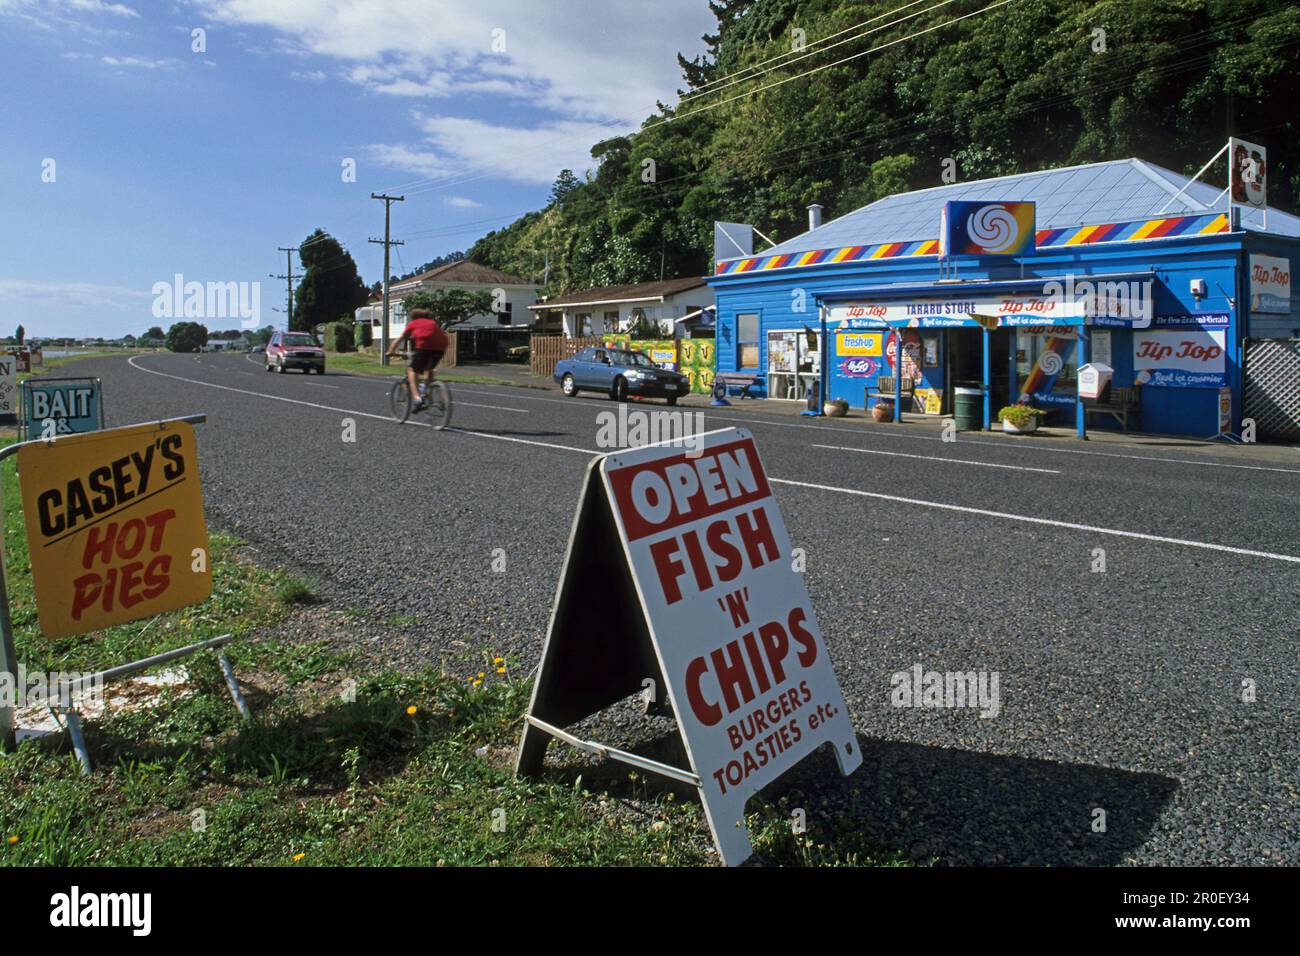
{"type": "Point", "coordinates": [434, 393]}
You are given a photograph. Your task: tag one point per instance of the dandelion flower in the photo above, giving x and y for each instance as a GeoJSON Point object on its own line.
{"type": "Point", "coordinates": [13, 838]}
{"type": "Point", "coordinates": [501, 670]}
{"type": "Point", "coordinates": [298, 856]}
{"type": "Point", "coordinates": [410, 711]}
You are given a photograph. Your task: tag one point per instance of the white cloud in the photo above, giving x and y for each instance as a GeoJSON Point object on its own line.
{"type": "Point", "coordinates": [462, 202]}
{"type": "Point", "coordinates": [585, 60]}
{"type": "Point", "coordinates": [139, 63]}
{"type": "Point", "coordinates": [309, 76]}
{"type": "Point", "coordinates": [456, 149]}
{"type": "Point", "coordinates": [60, 9]}
{"type": "Point", "coordinates": [71, 304]}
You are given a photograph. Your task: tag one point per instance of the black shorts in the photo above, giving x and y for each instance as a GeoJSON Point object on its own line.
{"type": "Point", "coordinates": [424, 359]}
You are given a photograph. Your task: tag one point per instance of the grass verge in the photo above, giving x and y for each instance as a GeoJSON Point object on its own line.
{"type": "Point", "coordinates": [339, 765]}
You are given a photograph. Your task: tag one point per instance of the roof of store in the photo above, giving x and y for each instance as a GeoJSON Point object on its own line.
{"type": "Point", "coordinates": [1123, 190]}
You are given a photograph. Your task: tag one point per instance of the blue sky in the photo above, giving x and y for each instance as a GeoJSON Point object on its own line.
{"type": "Point", "coordinates": [167, 160]}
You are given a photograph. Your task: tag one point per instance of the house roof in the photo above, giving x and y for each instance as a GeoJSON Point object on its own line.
{"type": "Point", "coordinates": [1122, 190]}
{"type": "Point", "coordinates": [465, 271]}
{"type": "Point", "coordinates": [637, 292]}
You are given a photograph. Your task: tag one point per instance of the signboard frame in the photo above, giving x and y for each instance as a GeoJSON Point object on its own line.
{"type": "Point", "coordinates": [67, 708]}
{"type": "Point", "coordinates": [611, 636]}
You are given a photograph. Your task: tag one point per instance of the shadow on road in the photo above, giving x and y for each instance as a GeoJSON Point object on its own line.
{"type": "Point", "coordinates": [956, 807]}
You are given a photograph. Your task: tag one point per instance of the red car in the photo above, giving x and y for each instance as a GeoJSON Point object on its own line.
{"type": "Point", "coordinates": [294, 350]}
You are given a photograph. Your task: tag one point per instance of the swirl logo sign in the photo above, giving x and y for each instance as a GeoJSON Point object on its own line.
{"type": "Point", "coordinates": [987, 228]}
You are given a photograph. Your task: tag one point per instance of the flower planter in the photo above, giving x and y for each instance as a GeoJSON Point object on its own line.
{"type": "Point", "coordinates": [1028, 428]}
{"type": "Point", "coordinates": [835, 409]}
{"type": "Point", "coordinates": [882, 412]}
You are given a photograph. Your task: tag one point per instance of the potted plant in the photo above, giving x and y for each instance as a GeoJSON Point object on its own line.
{"type": "Point", "coordinates": [835, 408]}
{"type": "Point", "coordinates": [882, 412]}
{"type": "Point", "coordinates": [1020, 419]}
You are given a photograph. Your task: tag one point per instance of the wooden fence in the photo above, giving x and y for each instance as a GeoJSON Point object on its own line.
{"type": "Point", "coordinates": [547, 350]}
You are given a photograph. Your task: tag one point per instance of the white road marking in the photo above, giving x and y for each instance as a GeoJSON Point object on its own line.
{"type": "Point", "coordinates": [499, 408]}
{"type": "Point", "coordinates": [949, 461]}
{"type": "Point", "coordinates": [1048, 522]}
{"type": "Point", "coordinates": [1138, 535]}
{"type": "Point", "coordinates": [877, 432]}
{"type": "Point", "coordinates": [350, 411]}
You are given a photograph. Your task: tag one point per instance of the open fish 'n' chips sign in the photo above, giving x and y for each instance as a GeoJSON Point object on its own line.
{"type": "Point", "coordinates": [114, 525]}
{"type": "Point", "coordinates": [679, 577]}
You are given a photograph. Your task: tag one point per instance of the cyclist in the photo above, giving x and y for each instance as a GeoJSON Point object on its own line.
{"type": "Point", "coordinates": [428, 344]}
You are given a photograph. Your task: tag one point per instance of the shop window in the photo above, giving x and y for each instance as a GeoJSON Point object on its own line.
{"type": "Point", "coordinates": [506, 315]}
{"type": "Point", "coordinates": [584, 324]}
{"type": "Point", "coordinates": [747, 340]}
{"type": "Point", "coordinates": [611, 321]}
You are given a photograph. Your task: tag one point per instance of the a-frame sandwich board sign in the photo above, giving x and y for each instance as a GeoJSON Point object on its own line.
{"type": "Point", "coordinates": [679, 570]}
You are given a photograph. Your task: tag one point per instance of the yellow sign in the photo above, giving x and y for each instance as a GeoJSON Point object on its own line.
{"type": "Point", "coordinates": [853, 344]}
{"type": "Point", "coordinates": [114, 525]}
{"type": "Point", "coordinates": [931, 399]}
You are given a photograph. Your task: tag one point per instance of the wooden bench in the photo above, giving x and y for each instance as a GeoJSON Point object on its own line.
{"type": "Point", "coordinates": [883, 390]}
{"type": "Point", "coordinates": [1123, 403]}
{"type": "Point", "coordinates": [725, 381]}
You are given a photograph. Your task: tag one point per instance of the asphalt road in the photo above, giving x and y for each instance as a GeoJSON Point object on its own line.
{"type": "Point", "coordinates": [1120, 691]}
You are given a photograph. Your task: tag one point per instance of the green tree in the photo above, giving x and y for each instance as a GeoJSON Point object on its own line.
{"type": "Point", "coordinates": [20, 334]}
{"type": "Point", "coordinates": [330, 284]}
{"type": "Point", "coordinates": [450, 306]}
{"type": "Point", "coordinates": [186, 337]}
{"type": "Point", "coordinates": [155, 332]}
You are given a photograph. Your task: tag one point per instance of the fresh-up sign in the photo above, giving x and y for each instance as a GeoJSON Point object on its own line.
{"type": "Point", "coordinates": [114, 525]}
{"type": "Point", "coordinates": [854, 344]}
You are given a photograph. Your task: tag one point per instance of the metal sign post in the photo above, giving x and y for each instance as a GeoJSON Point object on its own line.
{"type": "Point", "coordinates": [153, 463]}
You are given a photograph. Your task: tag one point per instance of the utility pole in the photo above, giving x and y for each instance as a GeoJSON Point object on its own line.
{"type": "Point", "coordinates": [288, 277]}
{"type": "Point", "coordinates": [387, 243]}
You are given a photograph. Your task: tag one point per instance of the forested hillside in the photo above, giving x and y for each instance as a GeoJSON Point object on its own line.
{"type": "Point", "coordinates": [1024, 85]}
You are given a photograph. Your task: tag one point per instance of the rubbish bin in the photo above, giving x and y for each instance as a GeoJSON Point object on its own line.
{"type": "Point", "coordinates": [968, 409]}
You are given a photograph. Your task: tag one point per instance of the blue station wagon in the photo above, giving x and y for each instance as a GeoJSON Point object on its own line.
{"type": "Point", "coordinates": [619, 373]}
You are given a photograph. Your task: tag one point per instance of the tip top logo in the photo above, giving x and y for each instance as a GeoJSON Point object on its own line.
{"type": "Point", "coordinates": [994, 228]}
{"type": "Point", "coordinates": [179, 299]}
{"type": "Point", "coordinates": [1131, 301]}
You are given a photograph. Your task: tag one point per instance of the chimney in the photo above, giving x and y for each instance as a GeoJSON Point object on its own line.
{"type": "Point", "coordinates": [814, 216]}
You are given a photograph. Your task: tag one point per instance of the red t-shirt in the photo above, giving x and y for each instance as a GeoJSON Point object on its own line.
{"type": "Point", "coordinates": [427, 334]}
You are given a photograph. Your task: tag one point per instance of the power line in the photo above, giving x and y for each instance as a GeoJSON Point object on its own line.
{"type": "Point", "coordinates": [805, 53]}
{"type": "Point", "coordinates": [797, 76]}
{"type": "Point", "coordinates": [288, 277]}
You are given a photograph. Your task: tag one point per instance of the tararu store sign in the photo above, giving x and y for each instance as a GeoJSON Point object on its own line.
{"type": "Point", "coordinates": [114, 525]}
{"type": "Point", "coordinates": [707, 605]}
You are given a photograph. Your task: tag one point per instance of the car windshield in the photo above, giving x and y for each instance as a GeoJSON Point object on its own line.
{"type": "Point", "coordinates": [298, 340]}
{"type": "Point", "coordinates": [631, 358]}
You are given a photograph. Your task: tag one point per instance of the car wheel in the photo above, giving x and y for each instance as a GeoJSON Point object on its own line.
{"type": "Point", "coordinates": [619, 392]}
{"type": "Point", "coordinates": [672, 399]}
{"type": "Point", "coordinates": [567, 386]}
{"type": "Point", "coordinates": [279, 367]}
{"type": "Point", "coordinates": [268, 366]}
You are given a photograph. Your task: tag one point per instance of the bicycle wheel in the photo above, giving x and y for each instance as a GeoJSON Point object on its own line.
{"type": "Point", "coordinates": [399, 399]}
{"type": "Point", "coordinates": [440, 405]}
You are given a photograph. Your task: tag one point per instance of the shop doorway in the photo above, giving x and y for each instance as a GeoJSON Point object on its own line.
{"type": "Point", "coordinates": [965, 367]}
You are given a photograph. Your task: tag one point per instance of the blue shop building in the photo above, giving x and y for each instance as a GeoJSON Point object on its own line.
{"type": "Point", "coordinates": [1008, 285]}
